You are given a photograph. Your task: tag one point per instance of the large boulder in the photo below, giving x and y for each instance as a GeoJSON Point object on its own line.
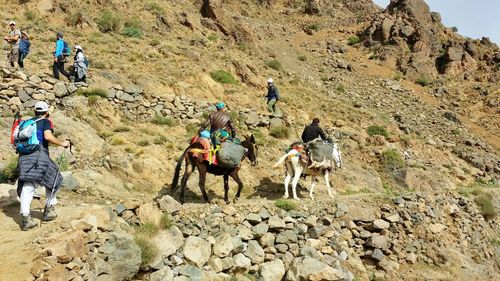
{"type": "Point", "coordinates": [313, 270]}
{"type": "Point", "coordinates": [271, 271]}
{"type": "Point", "coordinates": [196, 251]}
{"type": "Point", "coordinates": [124, 256]}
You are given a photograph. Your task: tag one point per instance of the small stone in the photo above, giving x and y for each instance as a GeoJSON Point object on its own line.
{"type": "Point", "coordinates": [260, 229]}
{"type": "Point", "coordinates": [275, 223]}
{"type": "Point", "coordinates": [253, 218]}
{"type": "Point", "coordinates": [380, 224]}
{"type": "Point", "coordinates": [377, 255]}
{"type": "Point", "coordinates": [168, 204]}
{"type": "Point", "coordinates": [436, 228]}
{"type": "Point", "coordinates": [241, 263]}
{"type": "Point", "coordinates": [272, 271]}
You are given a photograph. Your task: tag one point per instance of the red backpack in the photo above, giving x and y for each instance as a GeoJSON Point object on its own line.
{"type": "Point", "coordinates": [15, 123]}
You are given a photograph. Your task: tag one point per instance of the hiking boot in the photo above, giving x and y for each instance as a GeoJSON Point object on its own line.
{"type": "Point", "coordinates": [49, 213]}
{"type": "Point", "coordinates": [28, 223]}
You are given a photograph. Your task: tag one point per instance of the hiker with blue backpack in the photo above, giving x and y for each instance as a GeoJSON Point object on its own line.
{"type": "Point", "coordinates": [80, 66]}
{"type": "Point", "coordinates": [60, 54]}
{"type": "Point", "coordinates": [24, 48]}
{"type": "Point", "coordinates": [31, 138]}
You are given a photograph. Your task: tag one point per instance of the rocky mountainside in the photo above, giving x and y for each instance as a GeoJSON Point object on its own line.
{"type": "Point", "coordinates": [411, 102]}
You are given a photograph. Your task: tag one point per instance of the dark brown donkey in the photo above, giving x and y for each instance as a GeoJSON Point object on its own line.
{"type": "Point", "coordinates": [204, 167]}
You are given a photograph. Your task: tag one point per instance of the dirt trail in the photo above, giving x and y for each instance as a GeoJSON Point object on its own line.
{"type": "Point", "coordinates": [18, 247]}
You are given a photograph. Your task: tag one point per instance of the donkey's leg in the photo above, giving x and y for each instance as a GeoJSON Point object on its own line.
{"type": "Point", "coordinates": [237, 179]}
{"type": "Point", "coordinates": [298, 169]}
{"type": "Point", "coordinates": [187, 173]}
{"type": "Point", "coordinates": [201, 183]}
{"type": "Point", "coordinates": [289, 173]}
{"type": "Point", "coordinates": [226, 188]}
{"type": "Point", "coordinates": [327, 183]}
{"type": "Point", "coordinates": [314, 180]}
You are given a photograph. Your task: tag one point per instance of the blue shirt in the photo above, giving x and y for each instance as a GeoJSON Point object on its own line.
{"type": "Point", "coordinates": [59, 47]}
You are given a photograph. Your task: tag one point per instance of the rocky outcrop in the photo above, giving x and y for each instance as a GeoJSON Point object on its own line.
{"type": "Point", "coordinates": [216, 18]}
{"type": "Point", "coordinates": [408, 24]}
{"type": "Point", "coordinates": [315, 242]}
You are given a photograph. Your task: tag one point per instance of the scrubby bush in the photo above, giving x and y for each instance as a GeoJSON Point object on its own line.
{"type": "Point", "coordinates": [121, 129]}
{"type": "Point", "coordinates": [154, 8]}
{"type": "Point", "coordinates": [485, 203]}
{"type": "Point", "coordinates": [10, 172]}
{"type": "Point", "coordinates": [166, 221]}
{"type": "Point", "coordinates": [280, 132]}
{"type": "Point", "coordinates": [31, 15]}
{"type": "Point", "coordinates": [143, 142]}
{"type": "Point", "coordinates": [392, 160]}
{"type": "Point", "coordinates": [132, 28]}
{"type": "Point", "coordinates": [160, 120]}
{"type": "Point", "coordinates": [376, 130]}
{"type": "Point", "coordinates": [160, 140]}
{"type": "Point", "coordinates": [353, 40]}
{"type": "Point", "coordinates": [223, 77]}
{"type": "Point", "coordinates": [148, 229]}
{"type": "Point", "coordinates": [63, 162]}
{"type": "Point", "coordinates": [286, 205]}
{"type": "Point", "coordinates": [302, 58]}
{"type": "Point", "coordinates": [148, 249]}
{"type": "Point", "coordinates": [274, 64]}
{"type": "Point", "coordinates": [93, 92]}
{"type": "Point", "coordinates": [423, 82]}
{"type": "Point", "coordinates": [108, 21]}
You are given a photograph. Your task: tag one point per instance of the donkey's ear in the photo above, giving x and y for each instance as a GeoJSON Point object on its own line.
{"type": "Point", "coordinates": [252, 138]}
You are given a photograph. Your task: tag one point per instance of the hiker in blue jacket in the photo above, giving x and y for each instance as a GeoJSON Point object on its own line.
{"type": "Point", "coordinates": [59, 57]}
{"type": "Point", "coordinates": [24, 48]}
{"type": "Point", "coordinates": [272, 95]}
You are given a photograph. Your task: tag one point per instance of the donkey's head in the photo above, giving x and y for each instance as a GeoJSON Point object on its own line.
{"type": "Point", "coordinates": [251, 149]}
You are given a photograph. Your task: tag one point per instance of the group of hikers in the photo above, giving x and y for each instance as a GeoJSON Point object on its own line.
{"type": "Point", "coordinates": [20, 47]}
{"type": "Point", "coordinates": [31, 137]}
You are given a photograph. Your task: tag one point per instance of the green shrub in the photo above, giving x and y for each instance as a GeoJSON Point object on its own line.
{"type": "Point", "coordinates": [160, 140]}
{"type": "Point", "coordinates": [375, 130]}
{"type": "Point", "coordinates": [143, 142]}
{"type": "Point", "coordinates": [353, 40]}
{"type": "Point", "coordinates": [223, 77]}
{"type": "Point", "coordinates": [154, 42]}
{"type": "Point", "coordinates": [63, 162]}
{"type": "Point", "coordinates": [148, 249]}
{"type": "Point", "coordinates": [10, 172]}
{"type": "Point", "coordinates": [166, 221]}
{"type": "Point", "coordinates": [311, 28]}
{"type": "Point", "coordinates": [132, 32]}
{"type": "Point", "coordinates": [456, 132]}
{"type": "Point", "coordinates": [147, 229]}
{"type": "Point", "coordinates": [212, 37]}
{"type": "Point", "coordinates": [302, 58]}
{"type": "Point", "coordinates": [398, 76]}
{"type": "Point", "coordinates": [280, 132]}
{"type": "Point", "coordinates": [99, 65]}
{"type": "Point", "coordinates": [340, 89]}
{"type": "Point", "coordinates": [31, 15]}
{"type": "Point", "coordinates": [164, 121]}
{"type": "Point", "coordinates": [92, 100]}
{"type": "Point", "coordinates": [391, 159]}
{"type": "Point", "coordinates": [121, 129]}
{"type": "Point", "coordinates": [108, 21]}
{"type": "Point", "coordinates": [454, 29]}
{"type": "Point", "coordinates": [154, 8]}
{"type": "Point", "coordinates": [485, 203]}
{"type": "Point", "coordinates": [274, 64]}
{"type": "Point", "coordinates": [93, 92]}
{"type": "Point", "coordinates": [422, 82]}
{"type": "Point", "coordinates": [286, 205]}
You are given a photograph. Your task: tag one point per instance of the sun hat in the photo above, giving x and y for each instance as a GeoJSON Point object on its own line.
{"type": "Point", "coordinates": [41, 106]}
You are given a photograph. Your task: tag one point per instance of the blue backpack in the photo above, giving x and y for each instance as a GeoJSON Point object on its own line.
{"type": "Point", "coordinates": [25, 137]}
{"type": "Point", "coordinates": [66, 49]}
{"type": "Point", "coordinates": [86, 62]}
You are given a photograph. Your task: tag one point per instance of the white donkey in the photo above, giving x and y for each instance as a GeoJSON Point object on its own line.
{"type": "Point", "coordinates": [295, 168]}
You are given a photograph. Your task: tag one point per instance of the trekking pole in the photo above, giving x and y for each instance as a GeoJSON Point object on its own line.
{"type": "Point", "coordinates": [70, 146]}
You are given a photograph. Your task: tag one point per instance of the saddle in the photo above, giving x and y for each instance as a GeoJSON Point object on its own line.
{"type": "Point", "coordinates": [208, 152]}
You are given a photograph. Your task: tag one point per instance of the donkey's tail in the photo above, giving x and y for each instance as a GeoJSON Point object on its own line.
{"type": "Point", "coordinates": [175, 180]}
{"type": "Point", "coordinates": [283, 158]}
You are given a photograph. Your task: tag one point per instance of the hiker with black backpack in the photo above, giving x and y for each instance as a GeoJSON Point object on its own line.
{"type": "Point", "coordinates": [31, 138]}
{"type": "Point", "coordinates": [80, 66]}
{"type": "Point", "coordinates": [60, 54]}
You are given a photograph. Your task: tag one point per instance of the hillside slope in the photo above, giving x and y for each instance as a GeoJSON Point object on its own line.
{"type": "Point", "coordinates": [413, 104]}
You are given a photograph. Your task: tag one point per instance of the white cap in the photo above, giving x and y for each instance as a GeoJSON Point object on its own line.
{"type": "Point", "coordinates": [78, 47]}
{"type": "Point", "coordinates": [12, 22]}
{"type": "Point", "coordinates": [41, 106]}
{"type": "Point", "coordinates": [270, 80]}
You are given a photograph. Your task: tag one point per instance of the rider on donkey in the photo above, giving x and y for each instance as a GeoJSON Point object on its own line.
{"type": "Point", "coordinates": [219, 121]}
